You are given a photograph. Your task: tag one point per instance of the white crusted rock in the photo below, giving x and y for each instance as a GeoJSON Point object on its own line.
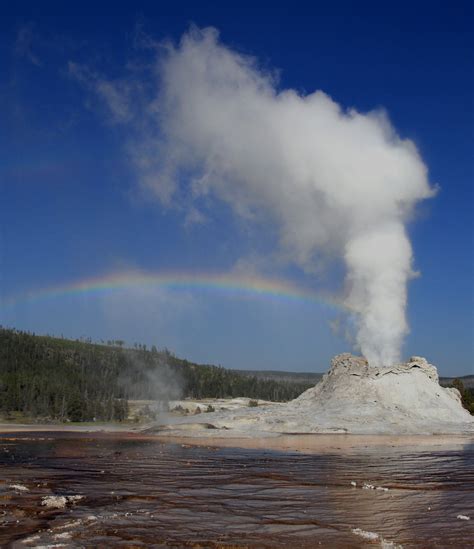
{"type": "Point", "coordinates": [353, 397]}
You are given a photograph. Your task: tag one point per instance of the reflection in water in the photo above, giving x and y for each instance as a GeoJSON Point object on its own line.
{"type": "Point", "coordinates": [139, 492]}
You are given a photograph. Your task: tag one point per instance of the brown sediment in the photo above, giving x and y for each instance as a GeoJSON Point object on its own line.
{"type": "Point", "coordinates": [68, 427]}
{"type": "Point", "coordinates": [324, 443]}
{"type": "Point", "coordinates": [305, 443]}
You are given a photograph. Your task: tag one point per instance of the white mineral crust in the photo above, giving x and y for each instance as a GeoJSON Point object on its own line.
{"type": "Point", "coordinates": [352, 397]}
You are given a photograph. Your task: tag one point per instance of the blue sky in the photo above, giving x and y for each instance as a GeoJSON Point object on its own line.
{"type": "Point", "coordinates": [71, 207]}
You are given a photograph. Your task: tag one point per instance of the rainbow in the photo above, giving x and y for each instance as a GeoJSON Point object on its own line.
{"type": "Point", "coordinates": [230, 284]}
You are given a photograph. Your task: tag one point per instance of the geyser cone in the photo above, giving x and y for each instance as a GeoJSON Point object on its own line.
{"type": "Point", "coordinates": [354, 397]}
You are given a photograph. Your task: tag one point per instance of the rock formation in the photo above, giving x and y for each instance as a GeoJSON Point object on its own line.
{"type": "Point", "coordinates": [353, 397]}
{"type": "Point", "coordinates": [405, 398]}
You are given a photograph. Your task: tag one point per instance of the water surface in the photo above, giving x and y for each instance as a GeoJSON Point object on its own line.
{"type": "Point", "coordinates": [141, 492]}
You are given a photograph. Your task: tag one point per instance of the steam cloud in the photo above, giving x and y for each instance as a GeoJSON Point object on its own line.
{"type": "Point", "coordinates": [335, 182]}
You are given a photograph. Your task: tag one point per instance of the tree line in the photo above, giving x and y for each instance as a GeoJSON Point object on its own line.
{"type": "Point", "coordinates": [467, 395]}
{"type": "Point", "coordinates": [78, 380]}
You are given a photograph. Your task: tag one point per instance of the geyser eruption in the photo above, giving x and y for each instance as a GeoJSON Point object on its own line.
{"type": "Point", "coordinates": [336, 182]}
{"type": "Point", "coordinates": [379, 265]}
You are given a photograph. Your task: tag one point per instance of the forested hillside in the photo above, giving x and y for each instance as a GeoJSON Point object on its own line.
{"type": "Point", "coordinates": [309, 378]}
{"type": "Point", "coordinates": [467, 381]}
{"type": "Point", "coordinates": [70, 380]}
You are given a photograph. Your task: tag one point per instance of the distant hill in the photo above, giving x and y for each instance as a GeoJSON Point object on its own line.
{"type": "Point", "coordinates": [310, 378]}
{"type": "Point", "coordinates": [313, 378]}
{"type": "Point", "coordinates": [467, 381]}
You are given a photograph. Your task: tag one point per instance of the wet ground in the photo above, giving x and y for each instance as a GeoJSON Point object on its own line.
{"type": "Point", "coordinates": [137, 491]}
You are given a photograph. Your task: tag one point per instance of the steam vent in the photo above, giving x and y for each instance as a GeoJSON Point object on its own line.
{"type": "Point", "coordinates": [352, 397]}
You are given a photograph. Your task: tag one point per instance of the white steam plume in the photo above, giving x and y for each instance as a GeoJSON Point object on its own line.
{"type": "Point", "coordinates": [334, 181]}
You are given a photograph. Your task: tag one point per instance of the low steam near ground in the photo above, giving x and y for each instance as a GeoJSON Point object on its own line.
{"type": "Point", "coordinates": [207, 121]}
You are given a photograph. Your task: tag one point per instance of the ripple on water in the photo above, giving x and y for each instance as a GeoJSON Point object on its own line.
{"type": "Point", "coordinates": [142, 492]}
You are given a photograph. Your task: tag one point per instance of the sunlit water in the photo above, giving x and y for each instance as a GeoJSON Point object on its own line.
{"type": "Point", "coordinates": [139, 492]}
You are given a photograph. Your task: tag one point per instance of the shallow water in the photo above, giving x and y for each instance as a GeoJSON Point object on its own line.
{"type": "Point", "coordinates": [140, 492]}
